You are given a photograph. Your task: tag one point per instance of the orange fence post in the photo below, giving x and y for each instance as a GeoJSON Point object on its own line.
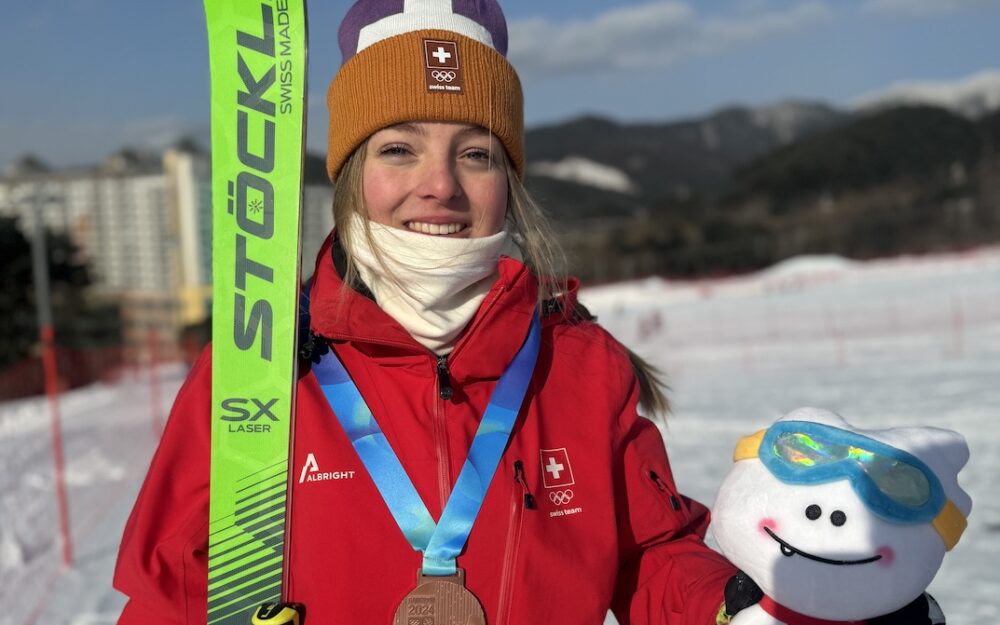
{"type": "Point", "coordinates": [52, 391]}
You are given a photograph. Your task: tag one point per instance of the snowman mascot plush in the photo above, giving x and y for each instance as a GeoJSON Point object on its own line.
{"type": "Point", "coordinates": [829, 523]}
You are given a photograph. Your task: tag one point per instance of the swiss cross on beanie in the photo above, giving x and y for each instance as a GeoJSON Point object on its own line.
{"type": "Point", "coordinates": [423, 60]}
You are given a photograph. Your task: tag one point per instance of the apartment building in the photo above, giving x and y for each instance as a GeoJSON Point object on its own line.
{"type": "Point", "coordinates": [143, 224]}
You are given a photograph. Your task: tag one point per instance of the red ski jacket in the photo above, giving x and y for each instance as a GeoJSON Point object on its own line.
{"type": "Point", "coordinates": [582, 514]}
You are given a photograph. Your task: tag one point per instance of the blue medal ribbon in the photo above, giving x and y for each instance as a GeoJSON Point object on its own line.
{"type": "Point", "coordinates": [440, 542]}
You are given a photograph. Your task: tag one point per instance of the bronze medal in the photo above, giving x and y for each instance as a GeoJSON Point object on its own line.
{"type": "Point", "coordinates": [440, 601]}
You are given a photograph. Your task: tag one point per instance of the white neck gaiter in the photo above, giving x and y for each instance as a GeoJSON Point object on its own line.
{"type": "Point", "coordinates": [431, 285]}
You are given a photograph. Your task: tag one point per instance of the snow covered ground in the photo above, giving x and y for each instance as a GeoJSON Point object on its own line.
{"type": "Point", "coordinates": [902, 341]}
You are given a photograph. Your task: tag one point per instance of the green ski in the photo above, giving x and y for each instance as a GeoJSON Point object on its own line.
{"type": "Point", "coordinates": [257, 50]}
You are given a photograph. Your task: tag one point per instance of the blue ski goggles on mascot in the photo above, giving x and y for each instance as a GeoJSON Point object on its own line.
{"type": "Point", "coordinates": [893, 484]}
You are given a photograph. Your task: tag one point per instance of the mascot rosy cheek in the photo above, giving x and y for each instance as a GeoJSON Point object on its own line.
{"type": "Point", "coordinates": [837, 524]}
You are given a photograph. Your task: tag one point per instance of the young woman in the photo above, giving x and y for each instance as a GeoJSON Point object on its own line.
{"type": "Point", "coordinates": [443, 344]}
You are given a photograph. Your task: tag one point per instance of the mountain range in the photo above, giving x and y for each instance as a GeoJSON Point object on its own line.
{"type": "Point", "coordinates": [911, 170]}
{"type": "Point", "coordinates": [669, 160]}
{"type": "Point", "coordinates": [624, 167]}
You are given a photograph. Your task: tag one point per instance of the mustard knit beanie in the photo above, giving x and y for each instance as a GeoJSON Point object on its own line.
{"type": "Point", "coordinates": [423, 60]}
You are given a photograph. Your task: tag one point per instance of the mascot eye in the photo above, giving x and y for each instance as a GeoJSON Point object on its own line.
{"type": "Point", "coordinates": [838, 518]}
{"type": "Point", "coordinates": [814, 512]}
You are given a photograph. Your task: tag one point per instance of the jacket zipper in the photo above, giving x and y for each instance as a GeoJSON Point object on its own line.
{"type": "Point", "coordinates": [445, 392]}
{"type": "Point", "coordinates": [529, 499]}
{"type": "Point", "coordinates": [675, 503]}
{"type": "Point", "coordinates": [519, 501]}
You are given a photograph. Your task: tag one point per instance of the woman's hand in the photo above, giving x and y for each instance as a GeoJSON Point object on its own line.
{"type": "Point", "coordinates": [741, 592]}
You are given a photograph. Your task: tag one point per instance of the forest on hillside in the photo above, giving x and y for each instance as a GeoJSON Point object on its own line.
{"type": "Point", "coordinates": [913, 179]}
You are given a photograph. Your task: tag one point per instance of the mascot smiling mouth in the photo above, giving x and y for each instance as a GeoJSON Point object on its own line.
{"type": "Point", "coordinates": [789, 551]}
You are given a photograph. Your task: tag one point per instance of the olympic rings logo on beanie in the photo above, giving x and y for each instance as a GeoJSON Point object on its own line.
{"type": "Point", "coordinates": [423, 60]}
{"type": "Point", "coordinates": [442, 68]}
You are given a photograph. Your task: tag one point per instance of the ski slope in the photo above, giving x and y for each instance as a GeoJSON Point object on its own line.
{"type": "Point", "coordinates": [889, 342]}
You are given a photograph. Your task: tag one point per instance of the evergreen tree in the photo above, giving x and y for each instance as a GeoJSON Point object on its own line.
{"type": "Point", "coordinates": [68, 280]}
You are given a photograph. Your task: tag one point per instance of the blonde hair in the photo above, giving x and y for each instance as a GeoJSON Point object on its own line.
{"type": "Point", "coordinates": [531, 232]}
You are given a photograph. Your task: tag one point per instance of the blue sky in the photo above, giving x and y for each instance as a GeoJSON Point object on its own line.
{"type": "Point", "coordinates": [82, 78]}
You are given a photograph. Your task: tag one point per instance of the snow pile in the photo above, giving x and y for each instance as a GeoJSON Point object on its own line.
{"type": "Point", "coordinates": [11, 555]}
{"type": "Point", "coordinates": [586, 172]}
{"type": "Point", "coordinates": [802, 271]}
{"type": "Point", "coordinates": [93, 467]}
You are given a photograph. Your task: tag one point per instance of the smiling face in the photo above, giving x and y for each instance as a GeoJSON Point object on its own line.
{"type": "Point", "coordinates": [817, 549]}
{"type": "Point", "coordinates": [439, 179]}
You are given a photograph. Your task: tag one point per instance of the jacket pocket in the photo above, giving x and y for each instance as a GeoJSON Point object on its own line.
{"type": "Point", "coordinates": [521, 498]}
{"type": "Point", "coordinates": [663, 490]}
